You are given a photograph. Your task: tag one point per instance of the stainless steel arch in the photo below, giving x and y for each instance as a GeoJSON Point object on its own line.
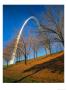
{"type": "Point", "coordinates": [19, 35]}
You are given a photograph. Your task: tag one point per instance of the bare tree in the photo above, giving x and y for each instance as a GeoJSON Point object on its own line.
{"type": "Point", "coordinates": [34, 43]}
{"type": "Point", "coordinates": [22, 49]}
{"type": "Point", "coordinates": [52, 28]}
{"type": "Point", "coordinates": [55, 23]}
{"type": "Point", "coordinates": [45, 42]}
{"type": "Point", "coordinates": [7, 55]}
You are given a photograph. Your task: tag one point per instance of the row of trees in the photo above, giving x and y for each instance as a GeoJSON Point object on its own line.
{"type": "Point", "coordinates": [51, 32]}
{"type": "Point", "coordinates": [24, 49]}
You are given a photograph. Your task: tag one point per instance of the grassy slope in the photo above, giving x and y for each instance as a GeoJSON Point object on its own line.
{"type": "Point", "coordinates": [42, 69]}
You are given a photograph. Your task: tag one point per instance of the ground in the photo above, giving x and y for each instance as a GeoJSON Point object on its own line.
{"type": "Point", "coordinates": [45, 69]}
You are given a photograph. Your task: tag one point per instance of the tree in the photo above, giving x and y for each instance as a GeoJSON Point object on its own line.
{"type": "Point", "coordinates": [34, 43]}
{"type": "Point", "coordinates": [55, 23]}
{"type": "Point", "coordinates": [52, 28]}
{"type": "Point", "coordinates": [22, 49]}
{"type": "Point", "coordinates": [7, 55]}
{"type": "Point", "coordinates": [45, 42]}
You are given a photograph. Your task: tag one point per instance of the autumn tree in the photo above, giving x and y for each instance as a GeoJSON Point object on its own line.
{"type": "Point", "coordinates": [7, 54]}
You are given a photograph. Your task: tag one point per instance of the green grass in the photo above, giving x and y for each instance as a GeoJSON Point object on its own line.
{"type": "Point", "coordinates": [29, 80]}
{"type": "Point", "coordinates": [8, 80]}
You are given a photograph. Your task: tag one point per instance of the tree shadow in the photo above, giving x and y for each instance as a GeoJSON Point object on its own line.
{"type": "Point", "coordinates": [54, 65]}
{"type": "Point", "coordinates": [24, 77]}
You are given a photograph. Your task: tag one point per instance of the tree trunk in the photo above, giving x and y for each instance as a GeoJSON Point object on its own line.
{"type": "Point", "coordinates": [7, 63]}
{"type": "Point", "coordinates": [45, 51]}
{"type": "Point", "coordinates": [19, 56]}
{"type": "Point", "coordinates": [48, 51]}
{"type": "Point", "coordinates": [25, 56]}
{"type": "Point", "coordinates": [34, 54]}
{"type": "Point", "coordinates": [50, 46]}
{"type": "Point", "coordinates": [25, 59]}
{"type": "Point", "coordinates": [63, 43]}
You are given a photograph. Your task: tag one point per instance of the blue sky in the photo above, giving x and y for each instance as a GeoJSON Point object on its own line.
{"type": "Point", "coordinates": [15, 15]}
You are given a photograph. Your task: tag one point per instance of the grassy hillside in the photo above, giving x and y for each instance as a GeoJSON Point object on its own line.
{"type": "Point", "coordinates": [46, 69]}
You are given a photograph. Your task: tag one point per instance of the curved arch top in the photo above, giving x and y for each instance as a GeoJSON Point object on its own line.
{"type": "Point", "coordinates": [32, 17]}
{"type": "Point", "coordinates": [19, 35]}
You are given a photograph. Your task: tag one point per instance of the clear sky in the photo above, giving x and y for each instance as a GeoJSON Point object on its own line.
{"type": "Point", "coordinates": [14, 17]}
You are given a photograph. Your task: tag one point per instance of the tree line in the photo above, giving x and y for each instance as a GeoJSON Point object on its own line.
{"type": "Point", "coordinates": [51, 31]}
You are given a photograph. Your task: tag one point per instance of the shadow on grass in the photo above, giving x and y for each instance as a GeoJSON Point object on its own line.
{"type": "Point", "coordinates": [53, 65]}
